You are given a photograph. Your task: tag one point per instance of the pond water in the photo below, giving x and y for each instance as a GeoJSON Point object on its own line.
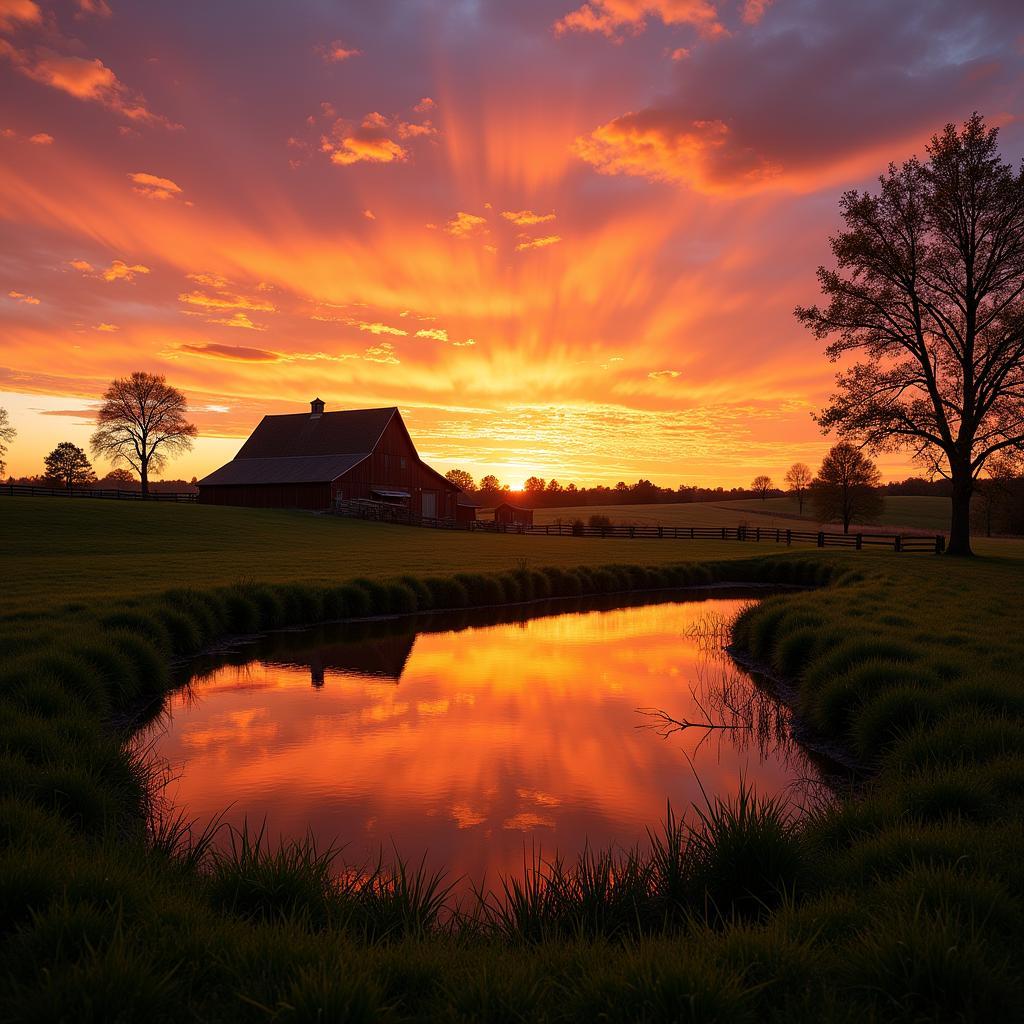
{"type": "Point", "coordinates": [473, 739]}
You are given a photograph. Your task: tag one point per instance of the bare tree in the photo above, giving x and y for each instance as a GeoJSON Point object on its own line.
{"type": "Point", "coordinates": [798, 479]}
{"type": "Point", "coordinates": [762, 486]}
{"type": "Point", "coordinates": [929, 286]}
{"type": "Point", "coordinates": [846, 488]}
{"type": "Point", "coordinates": [69, 464]}
{"type": "Point", "coordinates": [7, 435]}
{"type": "Point", "coordinates": [460, 478]}
{"type": "Point", "coordinates": [142, 423]}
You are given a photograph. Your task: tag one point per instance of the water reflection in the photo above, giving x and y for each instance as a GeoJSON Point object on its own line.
{"type": "Point", "coordinates": [468, 739]}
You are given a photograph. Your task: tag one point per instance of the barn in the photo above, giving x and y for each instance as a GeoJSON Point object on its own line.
{"type": "Point", "coordinates": [317, 459]}
{"type": "Point", "coordinates": [507, 514]}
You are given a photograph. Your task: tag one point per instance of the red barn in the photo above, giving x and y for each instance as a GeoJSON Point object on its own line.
{"type": "Point", "coordinates": [314, 460]}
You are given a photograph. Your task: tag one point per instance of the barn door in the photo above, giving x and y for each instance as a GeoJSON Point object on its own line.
{"type": "Point", "coordinates": [430, 504]}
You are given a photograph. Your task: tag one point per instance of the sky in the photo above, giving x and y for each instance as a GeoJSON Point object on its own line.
{"type": "Point", "coordinates": [565, 239]}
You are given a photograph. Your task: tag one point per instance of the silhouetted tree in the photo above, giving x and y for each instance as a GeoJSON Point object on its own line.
{"type": "Point", "coordinates": [534, 485]}
{"type": "Point", "coordinates": [460, 478]}
{"type": "Point", "coordinates": [7, 435]}
{"type": "Point", "coordinates": [142, 423]}
{"type": "Point", "coordinates": [119, 478]}
{"type": "Point", "coordinates": [846, 487]}
{"type": "Point", "coordinates": [490, 483]}
{"type": "Point", "coordinates": [929, 286]}
{"type": "Point", "coordinates": [798, 479]}
{"type": "Point", "coordinates": [995, 495]}
{"type": "Point", "coordinates": [762, 486]}
{"type": "Point", "coordinates": [69, 464]}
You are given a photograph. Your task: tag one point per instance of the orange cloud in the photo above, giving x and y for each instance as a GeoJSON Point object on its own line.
{"type": "Point", "coordinates": [107, 328]}
{"type": "Point", "coordinates": [611, 17]}
{"type": "Point", "coordinates": [99, 8]}
{"type": "Point", "coordinates": [434, 334]}
{"type": "Point", "coordinates": [225, 300]}
{"type": "Point", "coordinates": [239, 319]}
{"type": "Point", "coordinates": [524, 218]}
{"type": "Point", "coordinates": [121, 271]}
{"type": "Point", "coordinates": [375, 327]}
{"type": "Point", "coordinates": [152, 187]}
{"type": "Point", "coordinates": [663, 374]}
{"type": "Point", "coordinates": [657, 145]}
{"type": "Point", "coordinates": [15, 13]}
{"type": "Point", "coordinates": [382, 353]}
{"type": "Point", "coordinates": [31, 300]}
{"type": "Point", "coordinates": [84, 78]}
{"type": "Point", "coordinates": [41, 139]}
{"type": "Point", "coordinates": [753, 10]}
{"type": "Point", "coordinates": [337, 51]}
{"type": "Point", "coordinates": [259, 355]}
{"type": "Point", "coordinates": [377, 139]}
{"type": "Point", "coordinates": [464, 224]}
{"type": "Point", "coordinates": [538, 243]}
{"type": "Point", "coordinates": [84, 266]}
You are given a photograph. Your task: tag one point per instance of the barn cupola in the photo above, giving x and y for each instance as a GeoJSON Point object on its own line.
{"type": "Point", "coordinates": [316, 409]}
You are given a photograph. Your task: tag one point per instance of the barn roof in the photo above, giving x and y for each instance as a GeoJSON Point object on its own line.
{"type": "Point", "coordinates": [293, 469]}
{"type": "Point", "coordinates": [348, 432]}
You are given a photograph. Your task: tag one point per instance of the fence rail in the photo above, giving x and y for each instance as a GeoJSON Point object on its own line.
{"type": "Point", "coordinates": [381, 512]}
{"type": "Point", "coordinates": [30, 491]}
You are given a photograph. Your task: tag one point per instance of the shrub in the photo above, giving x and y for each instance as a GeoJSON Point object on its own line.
{"type": "Point", "coordinates": [577, 528]}
{"type": "Point", "coordinates": [401, 599]}
{"type": "Point", "coordinates": [481, 589]}
{"type": "Point", "coordinates": [599, 522]}
{"type": "Point", "coordinates": [377, 592]}
{"type": "Point", "coordinates": [424, 601]}
{"type": "Point", "coordinates": [446, 592]}
{"type": "Point", "coordinates": [303, 604]}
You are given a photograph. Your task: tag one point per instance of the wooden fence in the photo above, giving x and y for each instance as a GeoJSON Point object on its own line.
{"type": "Point", "coordinates": [380, 512]}
{"type": "Point", "coordinates": [29, 491]}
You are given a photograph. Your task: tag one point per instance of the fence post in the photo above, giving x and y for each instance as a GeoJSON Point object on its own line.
{"type": "Point", "coordinates": [898, 542]}
{"type": "Point", "coordinates": [940, 544]}
{"type": "Point", "coordinates": [789, 537]}
{"type": "Point", "coordinates": [723, 533]}
{"type": "Point", "coordinates": [860, 541]}
{"type": "Point", "coordinates": [757, 535]}
{"type": "Point", "coordinates": [821, 539]}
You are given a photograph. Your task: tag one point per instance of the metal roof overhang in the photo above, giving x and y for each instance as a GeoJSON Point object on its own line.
{"type": "Point", "coordinates": [385, 492]}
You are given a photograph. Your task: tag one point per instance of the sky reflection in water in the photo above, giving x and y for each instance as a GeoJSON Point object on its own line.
{"type": "Point", "coordinates": [474, 744]}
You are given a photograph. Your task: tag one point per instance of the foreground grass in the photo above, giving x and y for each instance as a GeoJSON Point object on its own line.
{"type": "Point", "coordinates": [902, 904]}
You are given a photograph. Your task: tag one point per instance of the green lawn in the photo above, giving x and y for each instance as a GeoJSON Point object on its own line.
{"type": "Point", "coordinates": [901, 901]}
{"type": "Point", "coordinates": [57, 550]}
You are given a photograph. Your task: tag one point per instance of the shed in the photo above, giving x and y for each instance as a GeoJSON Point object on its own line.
{"type": "Point", "coordinates": [317, 459]}
{"type": "Point", "coordinates": [508, 514]}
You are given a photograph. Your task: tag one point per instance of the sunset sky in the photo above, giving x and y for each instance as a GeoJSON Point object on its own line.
{"type": "Point", "coordinates": [564, 238]}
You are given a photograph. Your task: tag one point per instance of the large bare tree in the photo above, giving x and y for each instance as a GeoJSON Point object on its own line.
{"type": "Point", "coordinates": [142, 422]}
{"type": "Point", "coordinates": [7, 435]}
{"type": "Point", "coordinates": [929, 287]}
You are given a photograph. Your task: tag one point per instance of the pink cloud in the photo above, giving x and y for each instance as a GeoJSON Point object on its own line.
{"type": "Point", "coordinates": [153, 187]}
{"type": "Point", "coordinates": [337, 51]}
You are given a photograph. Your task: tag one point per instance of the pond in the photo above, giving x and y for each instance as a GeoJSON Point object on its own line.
{"type": "Point", "coordinates": [476, 739]}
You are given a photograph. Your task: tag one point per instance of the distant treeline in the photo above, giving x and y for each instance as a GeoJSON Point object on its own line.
{"type": "Point", "coordinates": [119, 480]}
{"type": "Point", "coordinates": [538, 493]}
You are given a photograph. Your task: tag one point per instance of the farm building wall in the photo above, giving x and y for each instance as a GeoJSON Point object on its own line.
{"type": "Point", "coordinates": [304, 496]}
{"type": "Point", "coordinates": [394, 465]}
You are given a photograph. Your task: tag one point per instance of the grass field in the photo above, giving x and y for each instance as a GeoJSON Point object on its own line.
{"type": "Point", "coordinates": [901, 513]}
{"type": "Point", "coordinates": [902, 903]}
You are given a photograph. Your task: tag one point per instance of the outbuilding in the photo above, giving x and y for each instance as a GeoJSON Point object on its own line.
{"type": "Point", "coordinates": [507, 514]}
{"type": "Point", "coordinates": [317, 460]}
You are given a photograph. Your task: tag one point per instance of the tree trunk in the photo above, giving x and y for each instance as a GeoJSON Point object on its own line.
{"type": "Point", "coordinates": [144, 479]}
{"type": "Point", "coordinates": [960, 521]}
